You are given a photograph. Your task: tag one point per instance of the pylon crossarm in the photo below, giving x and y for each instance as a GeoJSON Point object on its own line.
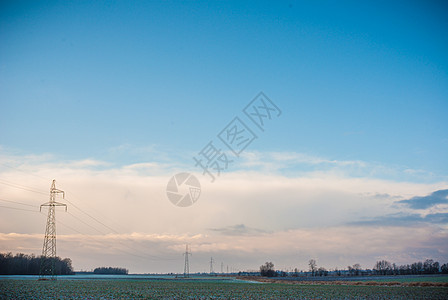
{"type": "Point", "coordinates": [60, 204]}
{"type": "Point", "coordinates": [58, 191]}
{"type": "Point", "coordinates": [54, 204]}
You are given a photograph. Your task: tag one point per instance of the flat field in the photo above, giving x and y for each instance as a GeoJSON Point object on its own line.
{"type": "Point", "coordinates": [398, 280]}
{"type": "Point", "coordinates": [203, 289]}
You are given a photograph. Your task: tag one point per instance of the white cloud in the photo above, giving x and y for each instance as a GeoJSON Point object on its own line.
{"type": "Point", "coordinates": [290, 218]}
{"type": "Point", "coordinates": [293, 164]}
{"type": "Point", "coordinates": [333, 247]}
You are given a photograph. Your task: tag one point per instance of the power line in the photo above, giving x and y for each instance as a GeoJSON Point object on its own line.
{"type": "Point", "coordinates": [19, 203]}
{"type": "Point", "coordinates": [133, 254]}
{"type": "Point", "coordinates": [40, 192]}
{"type": "Point", "coordinates": [80, 220]}
{"type": "Point", "coordinates": [152, 257]}
{"type": "Point", "coordinates": [146, 257]}
{"type": "Point", "coordinates": [28, 173]}
{"type": "Point", "coordinates": [90, 216]}
{"type": "Point", "coordinates": [36, 211]}
{"type": "Point", "coordinates": [98, 212]}
{"type": "Point", "coordinates": [69, 227]}
{"type": "Point", "coordinates": [16, 208]}
{"type": "Point", "coordinates": [31, 189]}
{"type": "Point", "coordinates": [35, 190]}
{"type": "Point", "coordinates": [22, 187]}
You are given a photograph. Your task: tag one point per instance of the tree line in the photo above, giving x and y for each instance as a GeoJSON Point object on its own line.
{"type": "Point", "coordinates": [110, 271]}
{"type": "Point", "coordinates": [381, 267]}
{"type": "Point", "coordinates": [429, 266]}
{"type": "Point", "coordinates": [23, 264]}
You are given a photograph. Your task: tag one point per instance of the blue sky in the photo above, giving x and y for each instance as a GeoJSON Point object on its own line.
{"type": "Point", "coordinates": [355, 81]}
{"type": "Point", "coordinates": [363, 88]}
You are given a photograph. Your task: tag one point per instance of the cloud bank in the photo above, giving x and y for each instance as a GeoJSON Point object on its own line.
{"type": "Point", "coordinates": [120, 215]}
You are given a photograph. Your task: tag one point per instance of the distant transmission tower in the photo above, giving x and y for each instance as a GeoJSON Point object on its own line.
{"type": "Point", "coordinates": [211, 265]}
{"type": "Point", "coordinates": [187, 264]}
{"type": "Point", "coordinates": [222, 268]}
{"type": "Point", "coordinates": [48, 258]}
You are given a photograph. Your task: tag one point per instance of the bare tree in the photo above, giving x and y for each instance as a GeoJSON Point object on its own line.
{"type": "Point", "coordinates": [356, 269]}
{"type": "Point", "coordinates": [444, 269]}
{"type": "Point", "coordinates": [267, 269]}
{"type": "Point", "coordinates": [382, 267]}
{"type": "Point", "coordinates": [313, 266]}
{"type": "Point", "coordinates": [350, 270]}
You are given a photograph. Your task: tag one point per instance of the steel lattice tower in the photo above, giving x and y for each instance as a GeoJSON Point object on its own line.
{"type": "Point", "coordinates": [187, 264]}
{"type": "Point", "coordinates": [48, 258]}
{"type": "Point", "coordinates": [211, 265]}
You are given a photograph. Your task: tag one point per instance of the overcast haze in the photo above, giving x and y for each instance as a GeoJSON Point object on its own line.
{"type": "Point", "coordinates": [112, 99]}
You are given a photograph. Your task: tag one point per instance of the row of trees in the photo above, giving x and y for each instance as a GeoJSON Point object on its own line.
{"type": "Point", "coordinates": [381, 267]}
{"type": "Point", "coordinates": [429, 266]}
{"type": "Point", "coordinates": [111, 270]}
{"type": "Point", "coordinates": [23, 264]}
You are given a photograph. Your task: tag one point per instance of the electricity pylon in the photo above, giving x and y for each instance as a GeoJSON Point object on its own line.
{"type": "Point", "coordinates": [211, 265]}
{"type": "Point", "coordinates": [47, 262]}
{"type": "Point", "coordinates": [187, 265]}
